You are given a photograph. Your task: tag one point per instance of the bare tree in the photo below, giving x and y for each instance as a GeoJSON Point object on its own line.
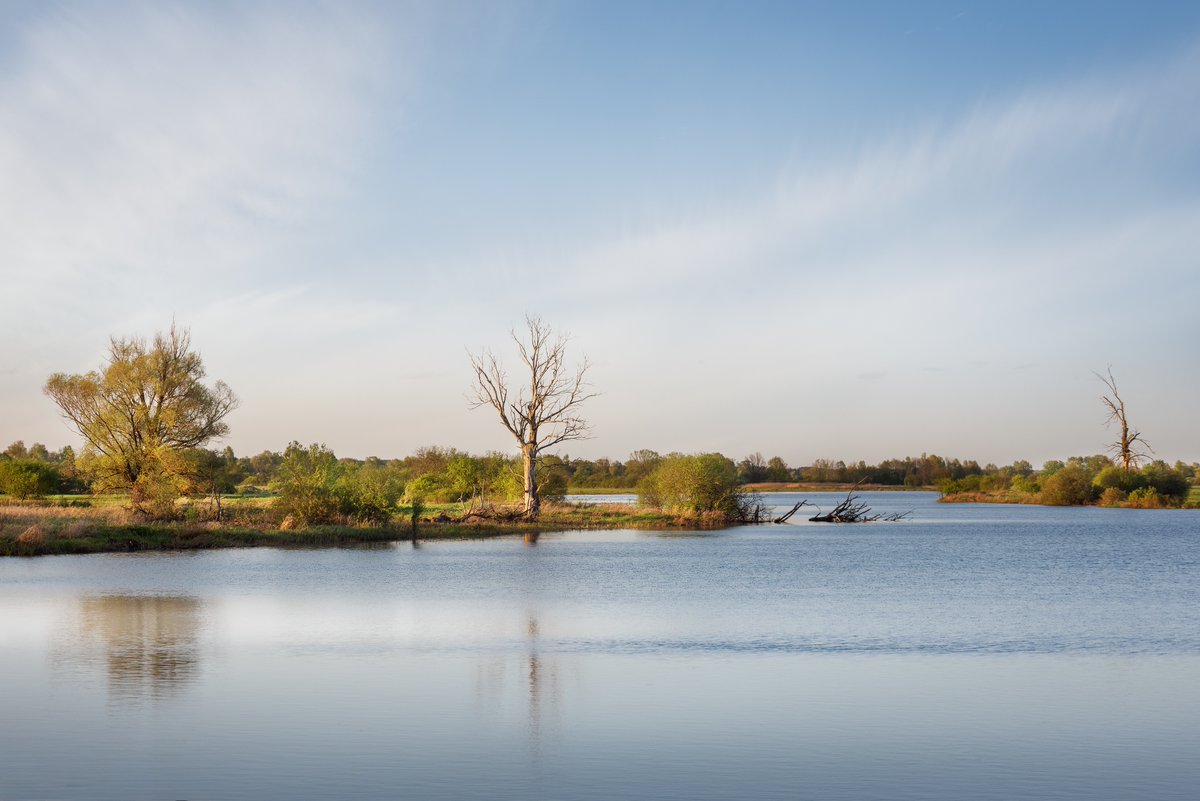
{"type": "Point", "coordinates": [1126, 449]}
{"type": "Point", "coordinates": [542, 413]}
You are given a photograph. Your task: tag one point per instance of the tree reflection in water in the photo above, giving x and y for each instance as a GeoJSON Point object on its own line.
{"type": "Point", "coordinates": [149, 644]}
{"type": "Point", "coordinates": [527, 677]}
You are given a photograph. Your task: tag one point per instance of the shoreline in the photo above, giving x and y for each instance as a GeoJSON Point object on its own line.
{"type": "Point", "coordinates": [46, 530]}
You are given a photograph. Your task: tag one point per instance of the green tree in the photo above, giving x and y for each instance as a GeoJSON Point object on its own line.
{"type": "Point", "coordinates": [27, 478]}
{"type": "Point", "coordinates": [778, 470]}
{"type": "Point", "coordinates": [140, 410]}
{"type": "Point", "coordinates": [307, 484]}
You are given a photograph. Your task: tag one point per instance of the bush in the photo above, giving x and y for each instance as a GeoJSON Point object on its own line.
{"type": "Point", "coordinates": [1026, 484]}
{"type": "Point", "coordinates": [1146, 498]}
{"type": "Point", "coordinates": [1115, 478]}
{"type": "Point", "coordinates": [369, 493]}
{"type": "Point", "coordinates": [950, 486]}
{"type": "Point", "coordinates": [1112, 496]}
{"type": "Point", "coordinates": [1069, 486]}
{"type": "Point", "coordinates": [307, 484]}
{"type": "Point", "coordinates": [1166, 480]}
{"type": "Point", "coordinates": [696, 485]}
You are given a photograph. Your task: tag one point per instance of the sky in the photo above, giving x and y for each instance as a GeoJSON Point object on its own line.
{"type": "Point", "coordinates": [815, 230]}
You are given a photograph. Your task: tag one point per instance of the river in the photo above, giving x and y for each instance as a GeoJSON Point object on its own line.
{"type": "Point", "coordinates": [971, 651]}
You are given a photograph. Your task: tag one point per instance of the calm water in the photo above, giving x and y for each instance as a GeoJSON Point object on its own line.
{"type": "Point", "coordinates": [972, 652]}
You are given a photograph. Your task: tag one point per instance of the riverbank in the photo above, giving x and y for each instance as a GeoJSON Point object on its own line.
{"type": "Point", "coordinates": [1191, 501]}
{"type": "Point", "coordinates": [32, 530]}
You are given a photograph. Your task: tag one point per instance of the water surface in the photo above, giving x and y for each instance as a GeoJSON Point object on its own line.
{"type": "Point", "coordinates": [974, 651]}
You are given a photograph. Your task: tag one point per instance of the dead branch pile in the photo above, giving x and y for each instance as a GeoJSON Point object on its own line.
{"type": "Point", "coordinates": [853, 510]}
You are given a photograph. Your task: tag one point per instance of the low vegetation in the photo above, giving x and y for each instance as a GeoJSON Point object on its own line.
{"type": "Point", "coordinates": [1080, 481]}
{"type": "Point", "coordinates": [74, 526]}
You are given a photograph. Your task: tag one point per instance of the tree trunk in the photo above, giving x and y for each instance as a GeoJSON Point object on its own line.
{"type": "Point", "coordinates": [533, 504]}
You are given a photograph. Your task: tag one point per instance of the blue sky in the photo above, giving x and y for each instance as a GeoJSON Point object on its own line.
{"type": "Point", "coordinates": [818, 230]}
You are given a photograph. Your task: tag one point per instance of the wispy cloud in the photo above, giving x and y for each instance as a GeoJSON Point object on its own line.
{"type": "Point", "coordinates": [161, 143]}
{"type": "Point", "coordinates": [1040, 160]}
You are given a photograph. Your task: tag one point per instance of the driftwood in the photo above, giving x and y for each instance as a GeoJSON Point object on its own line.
{"type": "Point", "coordinates": [853, 510]}
{"type": "Point", "coordinates": [783, 518]}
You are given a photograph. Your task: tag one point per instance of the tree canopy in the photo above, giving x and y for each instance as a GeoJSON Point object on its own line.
{"type": "Point", "coordinates": [141, 410]}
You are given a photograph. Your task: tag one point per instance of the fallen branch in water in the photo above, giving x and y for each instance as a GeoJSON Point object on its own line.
{"type": "Point", "coordinates": [853, 510]}
{"type": "Point", "coordinates": [783, 518]}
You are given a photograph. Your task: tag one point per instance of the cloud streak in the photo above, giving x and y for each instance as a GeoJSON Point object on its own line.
{"type": "Point", "coordinates": [161, 142]}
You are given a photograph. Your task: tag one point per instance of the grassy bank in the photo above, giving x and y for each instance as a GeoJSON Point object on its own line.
{"type": "Point", "coordinates": [40, 529]}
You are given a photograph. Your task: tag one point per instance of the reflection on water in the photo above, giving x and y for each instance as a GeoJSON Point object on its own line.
{"type": "Point", "coordinates": [149, 645]}
{"type": "Point", "coordinates": [530, 677]}
{"type": "Point", "coordinates": [992, 653]}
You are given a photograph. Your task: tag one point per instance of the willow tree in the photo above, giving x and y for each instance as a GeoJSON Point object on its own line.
{"type": "Point", "coordinates": [141, 411]}
{"type": "Point", "coordinates": [541, 407]}
{"type": "Point", "coordinates": [1127, 449]}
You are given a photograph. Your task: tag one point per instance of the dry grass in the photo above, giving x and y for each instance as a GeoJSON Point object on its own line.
{"type": "Point", "coordinates": [53, 518]}
{"type": "Point", "coordinates": [30, 530]}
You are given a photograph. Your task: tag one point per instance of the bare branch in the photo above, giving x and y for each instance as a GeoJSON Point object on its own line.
{"type": "Point", "coordinates": [1124, 449]}
{"type": "Point", "coordinates": [541, 412]}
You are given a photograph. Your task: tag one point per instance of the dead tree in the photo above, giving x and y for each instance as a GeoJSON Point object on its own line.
{"type": "Point", "coordinates": [1126, 449]}
{"type": "Point", "coordinates": [853, 510]}
{"type": "Point", "coordinates": [542, 413]}
{"type": "Point", "coordinates": [783, 518]}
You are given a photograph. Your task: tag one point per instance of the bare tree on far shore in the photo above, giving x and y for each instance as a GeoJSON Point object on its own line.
{"type": "Point", "coordinates": [1127, 448]}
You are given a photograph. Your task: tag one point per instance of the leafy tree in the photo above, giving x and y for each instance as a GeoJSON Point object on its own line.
{"type": "Point", "coordinates": [144, 406]}
{"type": "Point", "coordinates": [27, 478]}
{"type": "Point", "coordinates": [778, 470]}
{"type": "Point", "coordinates": [308, 484]}
{"type": "Point", "coordinates": [17, 450]}
{"type": "Point", "coordinates": [752, 469]}
{"type": "Point", "coordinates": [1166, 480]}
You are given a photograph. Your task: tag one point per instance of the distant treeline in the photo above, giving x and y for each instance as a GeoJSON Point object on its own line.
{"type": "Point", "coordinates": [438, 473]}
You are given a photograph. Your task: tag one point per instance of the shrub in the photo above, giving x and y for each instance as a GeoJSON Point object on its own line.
{"type": "Point", "coordinates": [1112, 496]}
{"type": "Point", "coordinates": [1114, 477]}
{"type": "Point", "coordinates": [369, 493]}
{"type": "Point", "coordinates": [1146, 498]}
{"type": "Point", "coordinates": [1026, 484]}
{"type": "Point", "coordinates": [307, 484]}
{"type": "Point", "coordinates": [1069, 486]}
{"type": "Point", "coordinates": [1166, 480]}
{"type": "Point", "coordinates": [950, 486]}
{"type": "Point", "coordinates": [696, 485]}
